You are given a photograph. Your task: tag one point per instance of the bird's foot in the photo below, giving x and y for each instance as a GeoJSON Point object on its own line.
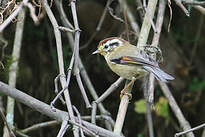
{"type": "Point", "coordinates": [124, 92]}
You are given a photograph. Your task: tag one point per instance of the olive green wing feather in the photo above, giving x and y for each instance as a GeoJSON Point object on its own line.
{"type": "Point", "coordinates": [147, 63]}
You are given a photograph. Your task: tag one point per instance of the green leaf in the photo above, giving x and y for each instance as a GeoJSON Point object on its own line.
{"type": "Point", "coordinates": [162, 107]}
{"type": "Point", "coordinates": [139, 135]}
{"type": "Point", "coordinates": [197, 84]}
{"type": "Point", "coordinates": [140, 106]}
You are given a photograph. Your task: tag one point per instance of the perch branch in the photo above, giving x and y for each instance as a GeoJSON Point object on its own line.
{"type": "Point", "coordinates": [122, 110]}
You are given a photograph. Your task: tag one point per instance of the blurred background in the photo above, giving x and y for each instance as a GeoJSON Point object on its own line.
{"type": "Point", "coordinates": [182, 48]}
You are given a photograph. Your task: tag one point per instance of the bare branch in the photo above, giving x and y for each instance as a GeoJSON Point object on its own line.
{"type": "Point", "coordinates": [109, 90]}
{"type": "Point", "coordinates": [13, 69]}
{"type": "Point", "coordinates": [64, 127]}
{"type": "Point", "coordinates": [39, 126]}
{"type": "Point", "coordinates": [190, 130]}
{"type": "Point", "coordinates": [145, 29]}
{"type": "Point", "coordinates": [193, 2]}
{"type": "Point", "coordinates": [12, 16]}
{"type": "Point", "coordinates": [10, 132]}
{"type": "Point", "coordinates": [179, 3]}
{"type": "Point", "coordinates": [200, 8]}
{"type": "Point", "coordinates": [175, 108]}
{"type": "Point", "coordinates": [65, 29]}
{"type": "Point", "coordinates": [122, 110]}
{"type": "Point", "coordinates": [46, 110]}
{"type": "Point", "coordinates": [61, 62]}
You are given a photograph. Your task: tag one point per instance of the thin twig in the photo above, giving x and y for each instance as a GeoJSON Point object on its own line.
{"type": "Point", "coordinates": [93, 113]}
{"type": "Point", "coordinates": [175, 108]}
{"type": "Point", "coordinates": [147, 87]}
{"type": "Point", "coordinates": [94, 134]}
{"type": "Point", "coordinates": [81, 66]}
{"type": "Point", "coordinates": [56, 90]}
{"type": "Point", "coordinates": [200, 8]}
{"type": "Point", "coordinates": [70, 69]}
{"type": "Point", "coordinates": [32, 13]}
{"type": "Point", "coordinates": [150, 19]}
{"type": "Point", "coordinates": [130, 16]}
{"type": "Point", "coordinates": [190, 130]}
{"type": "Point", "coordinates": [146, 25]}
{"type": "Point", "coordinates": [179, 3]}
{"type": "Point", "coordinates": [61, 63]}
{"type": "Point", "coordinates": [64, 127]}
{"type": "Point", "coordinates": [143, 37]}
{"type": "Point", "coordinates": [46, 110]}
{"type": "Point", "coordinates": [63, 15]}
{"type": "Point", "coordinates": [79, 119]}
{"type": "Point", "coordinates": [66, 29]}
{"type": "Point", "coordinates": [109, 90]}
{"type": "Point", "coordinates": [76, 53]}
{"type": "Point", "coordinates": [155, 42]}
{"type": "Point", "coordinates": [10, 132]}
{"type": "Point", "coordinates": [39, 126]}
{"type": "Point", "coordinates": [13, 69]}
{"type": "Point", "coordinates": [82, 89]}
{"type": "Point", "coordinates": [98, 28]}
{"type": "Point", "coordinates": [12, 16]}
{"type": "Point", "coordinates": [193, 2]}
{"type": "Point", "coordinates": [170, 11]}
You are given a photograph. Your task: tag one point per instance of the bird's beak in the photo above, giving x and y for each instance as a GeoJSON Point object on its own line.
{"type": "Point", "coordinates": [95, 52]}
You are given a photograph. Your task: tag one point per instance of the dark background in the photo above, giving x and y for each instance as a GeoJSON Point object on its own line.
{"type": "Point", "coordinates": [38, 68]}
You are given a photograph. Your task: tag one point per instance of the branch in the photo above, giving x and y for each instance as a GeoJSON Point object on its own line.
{"type": "Point", "coordinates": [190, 130]}
{"type": "Point", "coordinates": [193, 2]}
{"type": "Point", "coordinates": [175, 108]}
{"type": "Point", "coordinates": [39, 126]}
{"type": "Point", "coordinates": [145, 29]}
{"type": "Point", "coordinates": [81, 66]}
{"type": "Point", "coordinates": [12, 16]}
{"type": "Point", "coordinates": [46, 109]}
{"type": "Point", "coordinates": [130, 16]}
{"type": "Point", "coordinates": [200, 8]}
{"type": "Point", "coordinates": [122, 110]}
{"type": "Point", "coordinates": [61, 63]}
{"type": "Point", "coordinates": [13, 69]}
{"type": "Point", "coordinates": [179, 3]}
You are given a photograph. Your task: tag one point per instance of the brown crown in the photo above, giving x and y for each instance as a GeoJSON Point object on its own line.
{"type": "Point", "coordinates": [111, 38]}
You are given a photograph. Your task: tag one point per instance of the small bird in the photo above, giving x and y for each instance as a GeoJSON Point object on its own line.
{"type": "Point", "coordinates": [128, 61]}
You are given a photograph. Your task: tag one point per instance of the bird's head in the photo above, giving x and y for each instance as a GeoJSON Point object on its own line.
{"type": "Point", "coordinates": [108, 45]}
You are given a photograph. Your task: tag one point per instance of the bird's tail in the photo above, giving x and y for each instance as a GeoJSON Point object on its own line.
{"type": "Point", "coordinates": [159, 74]}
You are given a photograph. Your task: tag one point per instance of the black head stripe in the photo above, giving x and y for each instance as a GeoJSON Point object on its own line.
{"type": "Point", "coordinates": [114, 44]}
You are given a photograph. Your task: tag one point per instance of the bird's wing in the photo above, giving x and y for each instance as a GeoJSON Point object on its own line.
{"type": "Point", "coordinates": [128, 60]}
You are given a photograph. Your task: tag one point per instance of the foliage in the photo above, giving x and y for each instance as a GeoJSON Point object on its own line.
{"type": "Point", "coordinates": [161, 107]}
{"type": "Point", "coordinates": [197, 84]}
{"type": "Point", "coordinates": [140, 106]}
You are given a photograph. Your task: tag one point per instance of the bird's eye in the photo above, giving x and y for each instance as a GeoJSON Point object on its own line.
{"type": "Point", "coordinates": [106, 46]}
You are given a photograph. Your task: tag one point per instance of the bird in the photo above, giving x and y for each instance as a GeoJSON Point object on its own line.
{"type": "Point", "coordinates": [129, 61]}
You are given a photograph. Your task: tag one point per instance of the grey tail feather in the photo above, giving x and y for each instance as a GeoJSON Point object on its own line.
{"type": "Point", "coordinates": [159, 74]}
